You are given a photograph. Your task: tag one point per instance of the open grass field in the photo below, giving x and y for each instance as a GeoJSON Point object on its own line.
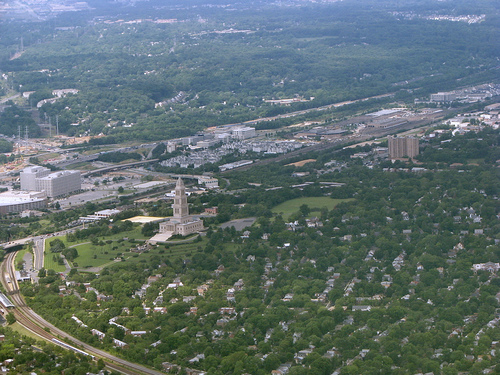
{"type": "Point", "coordinates": [46, 158]}
{"type": "Point", "coordinates": [83, 165]}
{"type": "Point", "coordinates": [183, 249]}
{"type": "Point", "coordinates": [286, 209]}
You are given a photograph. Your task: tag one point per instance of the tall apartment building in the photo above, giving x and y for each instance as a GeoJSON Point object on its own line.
{"type": "Point", "coordinates": [54, 184]}
{"type": "Point", "coordinates": [400, 147]}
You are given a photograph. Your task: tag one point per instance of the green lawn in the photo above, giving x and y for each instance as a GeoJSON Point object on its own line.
{"type": "Point", "coordinates": [286, 209]}
{"type": "Point", "coordinates": [183, 249]}
{"type": "Point", "coordinates": [23, 331]}
{"type": "Point", "coordinates": [19, 257]}
{"type": "Point", "coordinates": [83, 165]}
{"type": "Point", "coordinates": [50, 261]}
{"type": "Point", "coordinates": [87, 252]}
{"type": "Point", "coordinates": [114, 246]}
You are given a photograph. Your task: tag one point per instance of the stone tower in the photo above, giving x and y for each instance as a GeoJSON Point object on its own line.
{"type": "Point", "coordinates": [180, 205]}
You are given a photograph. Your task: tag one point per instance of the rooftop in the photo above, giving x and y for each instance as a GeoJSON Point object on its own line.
{"type": "Point", "coordinates": [12, 197]}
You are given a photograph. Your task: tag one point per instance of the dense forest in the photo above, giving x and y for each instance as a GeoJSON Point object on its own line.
{"type": "Point", "coordinates": [216, 66]}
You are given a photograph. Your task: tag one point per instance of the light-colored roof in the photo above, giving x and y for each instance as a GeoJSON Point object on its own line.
{"type": "Point", "coordinates": [145, 219]}
{"type": "Point", "coordinates": [18, 197]}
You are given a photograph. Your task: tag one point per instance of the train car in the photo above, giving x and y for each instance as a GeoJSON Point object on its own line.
{"type": "Point", "coordinates": [69, 347]}
{"type": "Point", "coordinates": [5, 302]}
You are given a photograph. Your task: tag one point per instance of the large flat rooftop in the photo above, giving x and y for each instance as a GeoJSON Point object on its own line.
{"type": "Point", "coordinates": [15, 197]}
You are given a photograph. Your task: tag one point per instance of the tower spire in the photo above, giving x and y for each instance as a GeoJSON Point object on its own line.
{"type": "Point", "coordinates": [180, 205]}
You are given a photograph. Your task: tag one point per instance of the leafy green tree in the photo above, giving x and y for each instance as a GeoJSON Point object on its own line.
{"type": "Point", "coordinates": [57, 245]}
{"type": "Point", "coordinates": [5, 146]}
{"type": "Point", "coordinates": [11, 319]}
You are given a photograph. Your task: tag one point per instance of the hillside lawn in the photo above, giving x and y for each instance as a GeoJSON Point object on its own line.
{"type": "Point", "coordinates": [50, 264]}
{"type": "Point", "coordinates": [115, 247]}
{"type": "Point", "coordinates": [286, 209]}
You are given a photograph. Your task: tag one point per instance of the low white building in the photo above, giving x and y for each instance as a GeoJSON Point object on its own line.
{"type": "Point", "coordinates": [489, 266]}
{"type": "Point", "coordinates": [209, 182]}
{"type": "Point", "coordinates": [18, 201]}
{"type": "Point", "coordinates": [443, 97]}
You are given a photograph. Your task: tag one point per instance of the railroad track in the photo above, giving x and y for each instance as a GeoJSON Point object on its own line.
{"type": "Point", "coordinates": [27, 318]}
{"type": "Point", "coordinates": [374, 133]}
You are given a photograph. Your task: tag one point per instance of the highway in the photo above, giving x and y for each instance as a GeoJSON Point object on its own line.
{"type": "Point", "coordinates": [38, 250]}
{"type": "Point", "coordinates": [117, 167]}
{"type": "Point", "coordinates": [39, 326]}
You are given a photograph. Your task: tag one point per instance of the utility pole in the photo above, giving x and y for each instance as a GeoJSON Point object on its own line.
{"type": "Point", "coordinates": [19, 139]}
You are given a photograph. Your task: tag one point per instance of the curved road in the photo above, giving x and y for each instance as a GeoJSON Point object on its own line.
{"type": "Point", "coordinates": [36, 324]}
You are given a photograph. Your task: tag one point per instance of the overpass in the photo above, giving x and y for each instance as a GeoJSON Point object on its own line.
{"type": "Point", "coordinates": [16, 243]}
{"type": "Point", "coordinates": [117, 167]}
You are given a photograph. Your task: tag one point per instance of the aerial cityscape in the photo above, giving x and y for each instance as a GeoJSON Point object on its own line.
{"type": "Point", "coordinates": [248, 187]}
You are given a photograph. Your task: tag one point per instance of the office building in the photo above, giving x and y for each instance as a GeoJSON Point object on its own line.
{"type": "Point", "coordinates": [60, 183]}
{"type": "Point", "coordinates": [30, 175]}
{"type": "Point", "coordinates": [54, 184]}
